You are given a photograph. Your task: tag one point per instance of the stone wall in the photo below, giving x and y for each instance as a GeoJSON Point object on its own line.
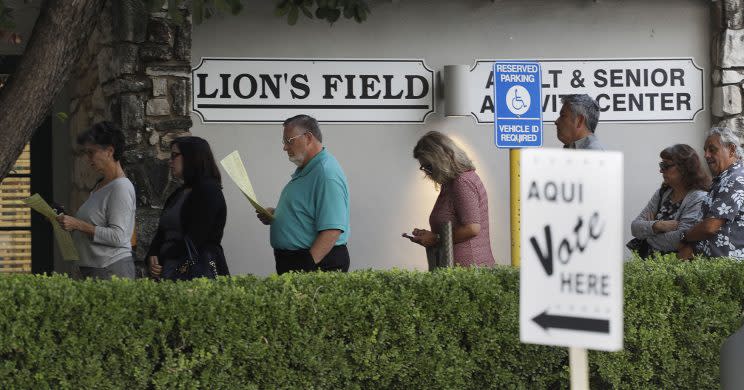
{"type": "Point", "coordinates": [727, 75]}
{"type": "Point", "coordinates": [135, 72]}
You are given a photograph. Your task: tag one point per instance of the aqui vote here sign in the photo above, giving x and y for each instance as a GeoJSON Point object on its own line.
{"type": "Point", "coordinates": [571, 276]}
{"type": "Point", "coordinates": [517, 110]}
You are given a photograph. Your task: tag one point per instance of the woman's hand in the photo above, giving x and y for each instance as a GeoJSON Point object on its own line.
{"type": "Point", "coordinates": [71, 223]}
{"type": "Point", "coordinates": [423, 237]}
{"type": "Point", "coordinates": [665, 226]}
{"type": "Point", "coordinates": [684, 251]}
{"type": "Point", "coordinates": [68, 223]}
{"type": "Point", "coordinates": [155, 268]}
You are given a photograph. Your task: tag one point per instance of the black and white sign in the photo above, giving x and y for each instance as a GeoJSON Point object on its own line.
{"type": "Point", "coordinates": [571, 277]}
{"type": "Point", "coordinates": [627, 90]}
{"type": "Point", "coordinates": [252, 90]}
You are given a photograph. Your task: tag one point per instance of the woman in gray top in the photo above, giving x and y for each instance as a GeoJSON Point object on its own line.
{"type": "Point", "coordinates": [677, 205]}
{"type": "Point", "coordinates": [102, 228]}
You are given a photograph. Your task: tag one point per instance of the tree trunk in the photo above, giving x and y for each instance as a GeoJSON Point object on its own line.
{"type": "Point", "coordinates": [55, 46]}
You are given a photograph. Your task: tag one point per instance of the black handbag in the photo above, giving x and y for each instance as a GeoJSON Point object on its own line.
{"type": "Point", "coordinates": [641, 245]}
{"type": "Point", "coordinates": [195, 264]}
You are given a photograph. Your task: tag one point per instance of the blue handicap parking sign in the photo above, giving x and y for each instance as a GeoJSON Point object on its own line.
{"type": "Point", "coordinates": [517, 103]}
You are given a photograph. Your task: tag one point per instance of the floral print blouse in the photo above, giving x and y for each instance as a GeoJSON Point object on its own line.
{"type": "Point", "coordinates": [726, 201]}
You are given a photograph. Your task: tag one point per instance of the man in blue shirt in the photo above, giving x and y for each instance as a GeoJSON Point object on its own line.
{"type": "Point", "coordinates": [310, 225]}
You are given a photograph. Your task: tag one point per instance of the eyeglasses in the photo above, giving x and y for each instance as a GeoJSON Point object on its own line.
{"type": "Point", "coordinates": [288, 141]}
{"type": "Point", "coordinates": [174, 155]}
{"type": "Point", "coordinates": [426, 168]}
{"type": "Point", "coordinates": [90, 151]}
{"type": "Point", "coordinates": [664, 166]}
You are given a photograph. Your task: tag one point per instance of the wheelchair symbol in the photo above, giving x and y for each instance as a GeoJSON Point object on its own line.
{"type": "Point", "coordinates": [518, 100]}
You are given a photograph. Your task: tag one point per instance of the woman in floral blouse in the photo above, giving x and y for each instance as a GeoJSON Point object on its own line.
{"type": "Point", "coordinates": [721, 231]}
{"type": "Point", "coordinates": [675, 207]}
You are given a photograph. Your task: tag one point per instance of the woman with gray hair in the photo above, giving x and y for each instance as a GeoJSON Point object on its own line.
{"type": "Point", "coordinates": [462, 201]}
{"type": "Point", "coordinates": [721, 232]}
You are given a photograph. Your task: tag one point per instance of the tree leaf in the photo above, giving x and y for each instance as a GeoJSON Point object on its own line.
{"type": "Point", "coordinates": [348, 12]}
{"type": "Point", "coordinates": [154, 5]}
{"type": "Point", "coordinates": [236, 6]}
{"type": "Point", "coordinates": [293, 14]}
{"type": "Point", "coordinates": [333, 15]}
{"type": "Point", "coordinates": [282, 8]}
{"type": "Point", "coordinates": [197, 11]}
{"type": "Point", "coordinates": [223, 6]}
{"type": "Point", "coordinates": [321, 13]}
{"type": "Point", "coordinates": [306, 11]}
{"type": "Point", "coordinates": [174, 12]}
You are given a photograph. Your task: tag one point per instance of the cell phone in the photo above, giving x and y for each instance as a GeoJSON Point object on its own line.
{"type": "Point", "coordinates": [58, 208]}
{"type": "Point", "coordinates": [406, 235]}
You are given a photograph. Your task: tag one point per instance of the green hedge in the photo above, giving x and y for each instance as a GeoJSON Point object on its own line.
{"type": "Point", "coordinates": [452, 329]}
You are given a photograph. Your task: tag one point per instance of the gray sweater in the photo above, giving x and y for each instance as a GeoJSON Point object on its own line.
{"type": "Point", "coordinates": [689, 214]}
{"type": "Point", "coordinates": [111, 210]}
{"type": "Point", "coordinates": [590, 142]}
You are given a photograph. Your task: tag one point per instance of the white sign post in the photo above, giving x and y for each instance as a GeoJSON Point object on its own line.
{"type": "Point", "coordinates": [571, 278]}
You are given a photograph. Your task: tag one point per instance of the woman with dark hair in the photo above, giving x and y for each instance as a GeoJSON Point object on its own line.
{"type": "Point", "coordinates": [194, 217]}
{"type": "Point", "coordinates": [102, 227]}
{"type": "Point", "coordinates": [675, 207]}
{"type": "Point", "coordinates": [462, 200]}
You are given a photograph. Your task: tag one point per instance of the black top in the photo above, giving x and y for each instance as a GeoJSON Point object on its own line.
{"type": "Point", "coordinates": [203, 217]}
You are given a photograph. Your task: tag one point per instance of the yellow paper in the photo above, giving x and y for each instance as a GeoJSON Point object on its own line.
{"type": "Point", "coordinates": [235, 168]}
{"type": "Point", "coordinates": [63, 237]}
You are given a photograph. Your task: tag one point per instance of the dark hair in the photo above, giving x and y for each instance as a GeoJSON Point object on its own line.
{"type": "Point", "coordinates": [688, 164]}
{"type": "Point", "coordinates": [306, 122]}
{"type": "Point", "coordinates": [197, 159]}
{"type": "Point", "coordinates": [104, 134]}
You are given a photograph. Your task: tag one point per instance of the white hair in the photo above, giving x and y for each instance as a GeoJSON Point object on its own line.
{"type": "Point", "coordinates": [728, 137]}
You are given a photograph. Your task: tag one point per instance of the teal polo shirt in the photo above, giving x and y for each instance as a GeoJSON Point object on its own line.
{"type": "Point", "coordinates": [315, 199]}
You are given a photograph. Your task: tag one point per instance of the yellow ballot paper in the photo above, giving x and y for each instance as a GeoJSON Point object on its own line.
{"type": "Point", "coordinates": [233, 164]}
{"type": "Point", "coordinates": [63, 237]}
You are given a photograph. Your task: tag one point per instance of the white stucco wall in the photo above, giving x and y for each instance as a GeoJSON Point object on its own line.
{"type": "Point", "coordinates": [388, 193]}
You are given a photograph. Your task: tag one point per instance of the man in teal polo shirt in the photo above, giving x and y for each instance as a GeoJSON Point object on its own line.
{"type": "Point", "coordinates": [310, 227]}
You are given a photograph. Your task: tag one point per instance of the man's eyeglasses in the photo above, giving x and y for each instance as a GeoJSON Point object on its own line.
{"type": "Point", "coordinates": [174, 155]}
{"type": "Point", "coordinates": [664, 166]}
{"type": "Point", "coordinates": [90, 151]}
{"type": "Point", "coordinates": [427, 168]}
{"type": "Point", "coordinates": [288, 141]}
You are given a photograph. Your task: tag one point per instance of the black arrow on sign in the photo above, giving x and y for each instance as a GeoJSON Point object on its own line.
{"type": "Point", "coordinates": [546, 321]}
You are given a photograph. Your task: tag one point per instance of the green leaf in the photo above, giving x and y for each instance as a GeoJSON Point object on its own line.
{"type": "Point", "coordinates": [174, 13]}
{"type": "Point", "coordinates": [197, 11]}
{"type": "Point", "coordinates": [348, 12]}
{"type": "Point", "coordinates": [293, 14]}
{"type": "Point", "coordinates": [237, 6]}
{"type": "Point", "coordinates": [306, 11]}
{"type": "Point", "coordinates": [282, 8]}
{"type": "Point", "coordinates": [154, 5]}
{"type": "Point", "coordinates": [333, 15]}
{"type": "Point", "coordinates": [321, 13]}
{"type": "Point", "coordinates": [62, 116]}
{"type": "Point", "coordinates": [223, 6]}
